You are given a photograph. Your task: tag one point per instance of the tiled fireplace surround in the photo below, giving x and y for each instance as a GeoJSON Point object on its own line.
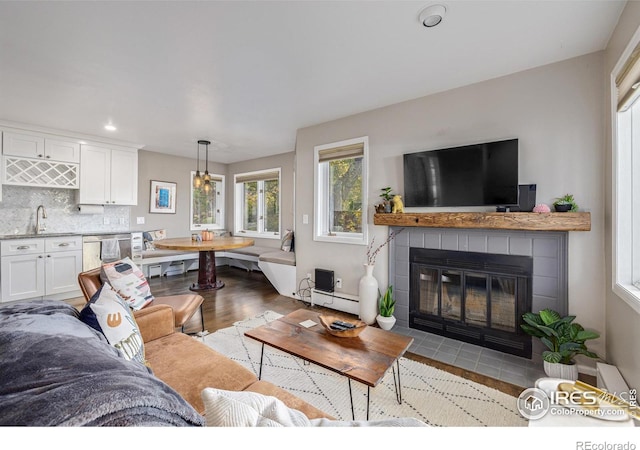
{"type": "Point", "coordinates": [549, 286]}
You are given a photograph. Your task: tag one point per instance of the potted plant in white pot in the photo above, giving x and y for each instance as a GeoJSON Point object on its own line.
{"type": "Point", "coordinates": [385, 318]}
{"type": "Point", "coordinates": [563, 338]}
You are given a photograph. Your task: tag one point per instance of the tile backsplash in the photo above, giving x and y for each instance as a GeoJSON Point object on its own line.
{"type": "Point", "coordinates": [19, 204]}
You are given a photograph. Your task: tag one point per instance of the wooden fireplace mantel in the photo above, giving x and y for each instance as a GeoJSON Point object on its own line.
{"type": "Point", "coordinates": [566, 221]}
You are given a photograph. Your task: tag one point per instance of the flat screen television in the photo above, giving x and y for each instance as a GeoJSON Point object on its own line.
{"type": "Point", "coordinates": [472, 175]}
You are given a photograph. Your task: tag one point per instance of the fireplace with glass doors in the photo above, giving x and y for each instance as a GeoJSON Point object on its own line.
{"type": "Point", "coordinates": [472, 297]}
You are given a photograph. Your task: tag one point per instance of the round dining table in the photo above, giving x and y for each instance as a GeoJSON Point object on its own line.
{"type": "Point", "coordinates": [207, 256]}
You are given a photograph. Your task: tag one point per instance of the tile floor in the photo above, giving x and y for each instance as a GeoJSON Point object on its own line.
{"type": "Point", "coordinates": [513, 369]}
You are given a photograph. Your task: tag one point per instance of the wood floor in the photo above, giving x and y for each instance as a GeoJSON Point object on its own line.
{"type": "Point", "coordinates": [247, 294]}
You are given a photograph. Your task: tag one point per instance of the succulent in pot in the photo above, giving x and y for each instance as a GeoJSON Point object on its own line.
{"type": "Point", "coordinates": [565, 203]}
{"type": "Point", "coordinates": [385, 318]}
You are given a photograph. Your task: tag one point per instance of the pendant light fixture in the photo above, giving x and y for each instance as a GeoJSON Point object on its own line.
{"type": "Point", "coordinates": [197, 180]}
{"type": "Point", "coordinates": [203, 180]}
{"type": "Point", "coordinates": [206, 178]}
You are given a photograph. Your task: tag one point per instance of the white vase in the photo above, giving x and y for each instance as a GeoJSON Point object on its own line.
{"type": "Point", "coordinates": [368, 296]}
{"type": "Point", "coordinates": [563, 371]}
{"type": "Point", "coordinates": [386, 323]}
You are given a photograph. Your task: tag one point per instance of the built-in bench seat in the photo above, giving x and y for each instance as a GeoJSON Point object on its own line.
{"type": "Point", "coordinates": [277, 265]}
{"type": "Point", "coordinates": [246, 257]}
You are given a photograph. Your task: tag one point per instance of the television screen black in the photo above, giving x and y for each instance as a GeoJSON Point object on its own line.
{"type": "Point", "coordinates": [472, 175]}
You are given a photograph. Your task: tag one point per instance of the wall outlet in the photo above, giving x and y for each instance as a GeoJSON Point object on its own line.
{"type": "Point", "coordinates": [308, 275]}
{"type": "Point", "coordinates": [140, 220]}
{"type": "Point", "coordinates": [106, 221]}
{"type": "Point", "coordinates": [121, 220]}
{"type": "Point", "coordinates": [338, 283]}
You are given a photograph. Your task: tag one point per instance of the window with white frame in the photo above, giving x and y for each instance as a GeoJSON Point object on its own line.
{"type": "Point", "coordinates": [257, 204]}
{"type": "Point", "coordinates": [341, 191]}
{"type": "Point", "coordinates": [626, 175]}
{"type": "Point", "coordinates": [207, 208]}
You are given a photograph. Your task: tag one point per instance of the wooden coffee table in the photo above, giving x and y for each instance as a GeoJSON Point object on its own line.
{"type": "Point", "coordinates": [365, 358]}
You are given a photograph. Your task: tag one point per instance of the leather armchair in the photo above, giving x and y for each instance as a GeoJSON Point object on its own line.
{"type": "Point", "coordinates": [184, 306]}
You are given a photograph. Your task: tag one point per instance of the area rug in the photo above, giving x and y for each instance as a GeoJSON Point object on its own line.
{"type": "Point", "coordinates": [434, 396]}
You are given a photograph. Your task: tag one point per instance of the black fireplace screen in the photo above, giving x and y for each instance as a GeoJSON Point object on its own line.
{"type": "Point", "coordinates": [473, 297]}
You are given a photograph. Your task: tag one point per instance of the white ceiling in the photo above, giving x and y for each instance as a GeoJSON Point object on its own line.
{"type": "Point", "coordinates": [247, 75]}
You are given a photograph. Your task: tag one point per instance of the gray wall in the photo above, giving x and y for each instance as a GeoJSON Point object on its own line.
{"type": "Point", "coordinates": [622, 321]}
{"type": "Point", "coordinates": [161, 167]}
{"type": "Point", "coordinates": [557, 113]}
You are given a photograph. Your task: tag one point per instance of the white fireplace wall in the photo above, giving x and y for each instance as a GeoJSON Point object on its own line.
{"type": "Point", "coordinates": [548, 249]}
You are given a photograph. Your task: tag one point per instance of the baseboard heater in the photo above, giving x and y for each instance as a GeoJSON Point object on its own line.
{"type": "Point", "coordinates": [336, 300]}
{"type": "Point", "coordinates": [608, 378]}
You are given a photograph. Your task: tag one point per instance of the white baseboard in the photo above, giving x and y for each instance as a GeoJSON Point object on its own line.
{"type": "Point", "coordinates": [337, 300]}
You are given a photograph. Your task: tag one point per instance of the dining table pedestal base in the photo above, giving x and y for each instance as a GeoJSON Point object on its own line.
{"type": "Point", "coordinates": [206, 273]}
{"type": "Point", "coordinates": [206, 256]}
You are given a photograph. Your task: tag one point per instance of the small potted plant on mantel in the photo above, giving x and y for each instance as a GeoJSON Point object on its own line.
{"type": "Point", "coordinates": [387, 196]}
{"type": "Point", "coordinates": [565, 203]}
{"type": "Point", "coordinates": [563, 338]}
{"type": "Point", "coordinates": [385, 319]}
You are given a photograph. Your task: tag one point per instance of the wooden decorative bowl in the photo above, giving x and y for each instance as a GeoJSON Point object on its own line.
{"type": "Point", "coordinates": [326, 320]}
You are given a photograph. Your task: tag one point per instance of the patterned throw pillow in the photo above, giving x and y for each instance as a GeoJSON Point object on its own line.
{"type": "Point", "coordinates": [107, 313]}
{"type": "Point", "coordinates": [159, 234]}
{"type": "Point", "coordinates": [148, 241]}
{"type": "Point", "coordinates": [151, 236]}
{"type": "Point", "coordinates": [287, 241]}
{"type": "Point", "coordinates": [128, 281]}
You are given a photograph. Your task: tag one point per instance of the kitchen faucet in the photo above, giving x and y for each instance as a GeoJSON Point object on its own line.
{"type": "Point", "coordinates": [40, 227]}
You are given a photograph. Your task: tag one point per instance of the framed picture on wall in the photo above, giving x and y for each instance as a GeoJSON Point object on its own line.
{"type": "Point", "coordinates": [163, 197]}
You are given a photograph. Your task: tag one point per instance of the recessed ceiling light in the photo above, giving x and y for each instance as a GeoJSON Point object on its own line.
{"type": "Point", "coordinates": [432, 15]}
{"type": "Point", "coordinates": [110, 127]}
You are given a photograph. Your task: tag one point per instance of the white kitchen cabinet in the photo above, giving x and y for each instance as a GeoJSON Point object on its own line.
{"type": "Point", "coordinates": [39, 159]}
{"type": "Point", "coordinates": [40, 267]}
{"type": "Point", "coordinates": [108, 176]}
{"type": "Point", "coordinates": [22, 277]}
{"type": "Point", "coordinates": [40, 146]}
{"type": "Point", "coordinates": [61, 271]}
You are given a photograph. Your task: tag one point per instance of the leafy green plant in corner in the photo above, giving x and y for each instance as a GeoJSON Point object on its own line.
{"type": "Point", "coordinates": [560, 335]}
{"type": "Point", "coordinates": [567, 199]}
{"type": "Point", "coordinates": [387, 303]}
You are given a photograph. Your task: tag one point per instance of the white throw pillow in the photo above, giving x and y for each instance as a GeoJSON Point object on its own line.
{"type": "Point", "coordinates": [107, 313]}
{"type": "Point", "coordinates": [287, 241]}
{"type": "Point", "coordinates": [248, 409]}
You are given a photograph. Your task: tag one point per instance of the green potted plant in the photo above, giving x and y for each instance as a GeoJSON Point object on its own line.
{"type": "Point", "coordinates": [387, 196]}
{"type": "Point", "coordinates": [385, 318]}
{"type": "Point", "coordinates": [565, 203]}
{"type": "Point", "coordinates": [563, 338]}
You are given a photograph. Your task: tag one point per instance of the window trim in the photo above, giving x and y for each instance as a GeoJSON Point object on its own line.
{"type": "Point", "coordinates": [239, 210]}
{"type": "Point", "coordinates": [220, 203]}
{"type": "Point", "coordinates": [319, 199]}
{"type": "Point", "coordinates": [629, 293]}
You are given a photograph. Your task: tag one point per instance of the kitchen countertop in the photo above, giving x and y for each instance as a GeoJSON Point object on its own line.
{"type": "Point", "coordinates": [46, 235]}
